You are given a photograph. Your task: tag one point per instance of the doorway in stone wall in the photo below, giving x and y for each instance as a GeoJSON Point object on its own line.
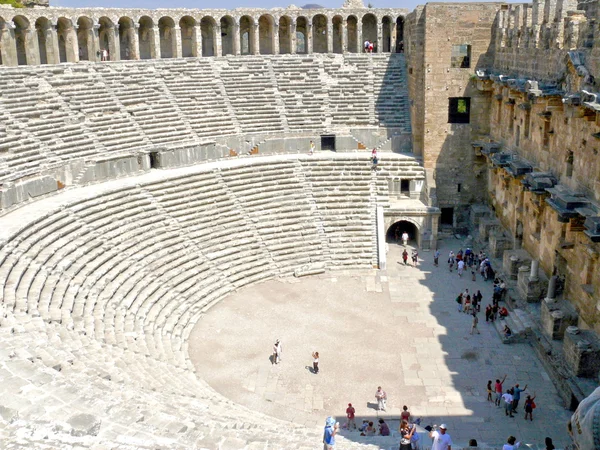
{"type": "Point", "coordinates": [395, 231]}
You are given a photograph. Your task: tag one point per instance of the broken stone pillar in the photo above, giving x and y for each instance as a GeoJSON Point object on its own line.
{"type": "Point", "coordinates": [498, 243]}
{"type": "Point", "coordinates": [556, 317]}
{"type": "Point", "coordinates": [582, 352]}
{"type": "Point", "coordinates": [551, 294]}
{"type": "Point", "coordinates": [479, 212]}
{"type": "Point", "coordinates": [486, 226]}
{"type": "Point", "coordinates": [533, 275]}
{"type": "Point", "coordinates": [529, 284]}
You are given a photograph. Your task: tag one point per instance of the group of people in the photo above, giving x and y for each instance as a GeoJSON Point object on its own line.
{"type": "Point", "coordinates": [469, 260]}
{"type": "Point", "coordinates": [369, 46]}
{"type": "Point", "coordinates": [414, 257]}
{"type": "Point", "coordinates": [510, 398]}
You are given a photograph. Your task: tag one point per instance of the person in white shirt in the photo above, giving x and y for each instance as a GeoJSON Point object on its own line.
{"type": "Point", "coordinates": [510, 444]}
{"type": "Point", "coordinates": [461, 267]}
{"type": "Point", "coordinates": [405, 238]}
{"type": "Point", "coordinates": [381, 397]}
{"type": "Point", "coordinates": [277, 349]}
{"type": "Point", "coordinates": [441, 439]}
{"type": "Point", "coordinates": [508, 400]}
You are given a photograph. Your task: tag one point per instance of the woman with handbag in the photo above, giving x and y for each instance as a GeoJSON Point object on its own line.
{"type": "Point", "coordinates": [406, 434]}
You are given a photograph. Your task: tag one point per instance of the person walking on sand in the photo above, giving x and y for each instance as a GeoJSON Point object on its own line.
{"type": "Point", "coordinates": [277, 349]}
{"type": "Point", "coordinates": [381, 397]}
{"type": "Point", "coordinates": [315, 356]}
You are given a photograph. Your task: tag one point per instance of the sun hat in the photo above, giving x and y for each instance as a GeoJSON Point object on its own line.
{"type": "Point", "coordinates": [443, 426]}
{"type": "Point", "coordinates": [330, 421]}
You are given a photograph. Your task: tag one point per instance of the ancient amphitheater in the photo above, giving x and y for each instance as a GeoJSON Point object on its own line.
{"type": "Point", "coordinates": [139, 190]}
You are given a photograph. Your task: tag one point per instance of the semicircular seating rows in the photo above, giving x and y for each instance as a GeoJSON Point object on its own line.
{"type": "Point", "coordinates": [102, 286]}
{"type": "Point", "coordinates": [51, 116]}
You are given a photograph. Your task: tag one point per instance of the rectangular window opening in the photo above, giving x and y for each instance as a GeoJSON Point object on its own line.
{"type": "Point", "coordinates": [405, 187]}
{"type": "Point", "coordinates": [461, 56]}
{"type": "Point", "coordinates": [328, 142]}
{"type": "Point", "coordinates": [447, 217]}
{"type": "Point", "coordinates": [154, 160]}
{"type": "Point", "coordinates": [459, 109]}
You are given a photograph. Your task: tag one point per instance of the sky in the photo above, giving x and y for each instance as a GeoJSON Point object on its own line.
{"type": "Point", "coordinates": [229, 4]}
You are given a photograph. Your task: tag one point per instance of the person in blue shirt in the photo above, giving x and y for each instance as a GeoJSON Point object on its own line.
{"type": "Point", "coordinates": [517, 396]}
{"type": "Point", "coordinates": [331, 429]}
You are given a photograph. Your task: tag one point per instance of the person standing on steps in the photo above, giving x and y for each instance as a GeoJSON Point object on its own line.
{"type": "Point", "coordinates": [331, 429]}
{"type": "Point", "coordinates": [315, 356]}
{"type": "Point", "coordinates": [381, 397]}
{"type": "Point", "coordinates": [441, 439]}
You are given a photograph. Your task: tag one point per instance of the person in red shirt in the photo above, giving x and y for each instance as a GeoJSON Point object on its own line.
{"type": "Point", "coordinates": [405, 414]}
{"type": "Point", "coordinates": [350, 415]}
{"type": "Point", "coordinates": [498, 389]}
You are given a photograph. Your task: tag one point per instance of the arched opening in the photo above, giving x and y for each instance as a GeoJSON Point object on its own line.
{"type": "Point", "coordinates": [352, 27]}
{"type": "Point", "coordinates": [42, 26]}
{"type": "Point", "coordinates": [386, 33]}
{"type": "Point", "coordinates": [301, 27]}
{"type": "Point", "coordinates": [146, 38]}
{"type": "Point", "coordinates": [85, 44]}
{"type": "Point", "coordinates": [21, 39]}
{"type": "Point", "coordinates": [285, 35]}
{"type": "Point", "coordinates": [247, 35]}
{"type": "Point", "coordinates": [187, 25]}
{"type": "Point", "coordinates": [338, 34]}
{"type": "Point", "coordinates": [265, 34]}
{"type": "Point", "coordinates": [369, 30]}
{"type": "Point", "coordinates": [127, 39]}
{"type": "Point", "coordinates": [395, 231]}
{"type": "Point", "coordinates": [67, 40]}
{"type": "Point", "coordinates": [166, 32]}
{"type": "Point", "coordinates": [106, 38]}
{"type": "Point", "coordinates": [400, 34]}
{"type": "Point", "coordinates": [319, 33]}
{"type": "Point", "coordinates": [207, 27]}
{"type": "Point", "coordinates": [3, 41]}
{"type": "Point", "coordinates": [227, 35]}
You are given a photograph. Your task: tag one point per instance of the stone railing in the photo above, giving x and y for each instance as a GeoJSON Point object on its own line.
{"type": "Point", "coordinates": [54, 35]}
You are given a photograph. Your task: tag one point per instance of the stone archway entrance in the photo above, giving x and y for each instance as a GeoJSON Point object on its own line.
{"type": "Point", "coordinates": [394, 233]}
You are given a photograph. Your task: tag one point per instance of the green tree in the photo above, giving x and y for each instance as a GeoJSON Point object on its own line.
{"type": "Point", "coordinates": [13, 3]}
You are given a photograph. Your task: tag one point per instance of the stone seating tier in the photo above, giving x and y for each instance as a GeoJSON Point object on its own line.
{"type": "Point", "coordinates": [54, 115]}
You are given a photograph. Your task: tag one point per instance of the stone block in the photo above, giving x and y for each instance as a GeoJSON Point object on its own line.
{"type": "Point", "coordinates": [556, 316]}
{"type": "Point", "coordinates": [529, 289]}
{"type": "Point", "coordinates": [486, 226]}
{"type": "Point", "coordinates": [512, 260]}
{"type": "Point", "coordinates": [498, 243]}
{"type": "Point", "coordinates": [582, 352]}
{"type": "Point", "coordinates": [14, 193]}
{"type": "Point", "coordinates": [479, 212]}
{"type": "Point", "coordinates": [116, 167]}
{"type": "Point", "coordinates": [84, 425]}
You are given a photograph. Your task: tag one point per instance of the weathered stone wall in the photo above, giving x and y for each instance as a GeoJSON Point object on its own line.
{"type": "Point", "coordinates": [446, 147]}
{"type": "Point", "coordinates": [545, 116]}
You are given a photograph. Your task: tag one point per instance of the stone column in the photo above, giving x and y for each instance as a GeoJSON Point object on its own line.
{"type": "Point", "coordinates": [276, 38]}
{"type": "Point", "coordinates": [9, 45]}
{"type": "Point", "coordinates": [359, 37]}
{"type": "Point", "coordinates": [155, 43]}
{"type": "Point", "coordinates": [236, 39]}
{"type": "Point", "coordinates": [176, 41]}
{"type": "Point", "coordinates": [114, 44]}
{"type": "Point", "coordinates": [293, 39]}
{"type": "Point", "coordinates": [329, 36]}
{"type": "Point", "coordinates": [551, 294]}
{"type": "Point", "coordinates": [52, 51]}
{"type": "Point", "coordinates": [533, 275]}
{"type": "Point", "coordinates": [32, 48]}
{"type": "Point", "coordinates": [309, 37]}
{"type": "Point", "coordinates": [255, 38]}
{"type": "Point", "coordinates": [218, 40]}
{"type": "Point", "coordinates": [197, 41]}
{"type": "Point", "coordinates": [393, 37]}
{"type": "Point", "coordinates": [72, 44]}
{"type": "Point", "coordinates": [344, 37]}
{"type": "Point", "coordinates": [379, 37]}
{"type": "Point", "coordinates": [93, 42]}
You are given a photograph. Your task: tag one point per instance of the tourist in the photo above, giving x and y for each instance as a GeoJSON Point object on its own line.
{"type": "Point", "coordinates": [510, 444]}
{"type": "Point", "coordinates": [498, 389]}
{"type": "Point", "coordinates": [406, 434]}
{"type": "Point", "coordinates": [367, 45]}
{"type": "Point", "coordinates": [381, 397]}
{"type": "Point", "coordinates": [363, 427]}
{"type": "Point", "coordinates": [374, 159]}
{"type": "Point", "coordinates": [529, 406]}
{"type": "Point", "coordinates": [494, 312]}
{"type": "Point", "coordinates": [549, 444]}
{"type": "Point", "coordinates": [350, 415]}
{"type": "Point", "coordinates": [315, 356]}
{"type": "Point", "coordinates": [508, 399]}
{"type": "Point", "coordinates": [489, 391]}
{"type": "Point", "coordinates": [507, 332]}
{"type": "Point", "coordinates": [461, 267]}
{"type": "Point", "coordinates": [415, 437]}
{"type": "Point", "coordinates": [371, 47]}
{"type": "Point", "coordinates": [441, 439]}
{"type": "Point", "coordinates": [479, 298]}
{"type": "Point", "coordinates": [436, 258]}
{"type": "Point", "coordinates": [277, 350]}
{"type": "Point", "coordinates": [517, 396]}
{"type": "Point", "coordinates": [384, 430]}
{"type": "Point", "coordinates": [459, 300]}
{"type": "Point", "coordinates": [371, 430]}
{"type": "Point", "coordinates": [405, 257]}
{"type": "Point", "coordinates": [450, 260]}
{"type": "Point", "coordinates": [104, 54]}
{"type": "Point", "coordinates": [405, 238]}
{"type": "Point", "coordinates": [475, 322]}
{"type": "Point", "coordinates": [405, 414]}
{"type": "Point", "coordinates": [488, 314]}
{"type": "Point", "coordinates": [331, 429]}
{"type": "Point", "coordinates": [311, 150]}
{"type": "Point", "coordinates": [415, 257]}
{"type": "Point", "coordinates": [467, 304]}
{"type": "Point", "coordinates": [475, 304]}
